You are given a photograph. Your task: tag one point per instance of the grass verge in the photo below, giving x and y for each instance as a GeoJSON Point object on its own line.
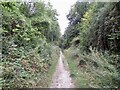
{"type": "Point", "coordinates": [46, 78]}
{"type": "Point", "coordinates": [95, 72]}
{"type": "Point", "coordinates": [77, 76]}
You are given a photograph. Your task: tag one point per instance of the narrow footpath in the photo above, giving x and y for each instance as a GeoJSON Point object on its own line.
{"type": "Point", "coordinates": [61, 77]}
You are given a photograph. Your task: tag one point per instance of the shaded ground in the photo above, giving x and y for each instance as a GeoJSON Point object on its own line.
{"type": "Point", "coordinates": [61, 78]}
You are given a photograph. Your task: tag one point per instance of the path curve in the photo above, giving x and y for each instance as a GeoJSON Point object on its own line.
{"type": "Point", "coordinates": [61, 77]}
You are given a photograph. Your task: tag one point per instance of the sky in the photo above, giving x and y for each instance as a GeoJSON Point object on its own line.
{"type": "Point", "coordinates": [63, 8]}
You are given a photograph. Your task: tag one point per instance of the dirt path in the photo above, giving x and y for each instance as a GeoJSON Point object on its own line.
{"type": "Point", "coordinates": [61, 78]}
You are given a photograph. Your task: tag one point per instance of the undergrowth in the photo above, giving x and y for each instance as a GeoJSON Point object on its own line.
{"type": "Point", "coordinates": [93, 70]}
{"type": "Point", "coordinates": [31, 70]}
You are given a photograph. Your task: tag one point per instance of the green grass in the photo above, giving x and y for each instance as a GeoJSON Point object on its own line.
{"type": "Point", "coordinates": [91, 76]}
{"type": "Point", "coordinates": [46, 78]}
{"type": "Point", "coordinates": [77, 76]}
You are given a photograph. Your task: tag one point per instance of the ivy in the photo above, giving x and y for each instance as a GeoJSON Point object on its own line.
{"type": "Point", "coordinates": [28, 30]}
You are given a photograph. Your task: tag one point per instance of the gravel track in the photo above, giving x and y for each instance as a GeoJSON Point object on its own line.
{"type": "Point", "coordinates": [61, 77]}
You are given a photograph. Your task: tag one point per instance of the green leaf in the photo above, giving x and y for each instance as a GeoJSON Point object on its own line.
{"type": "Point", "coordinates": [14, 30]}
{"type": "Point", "coordinates": [27, 39]}
{"type": "Point", "coordinates": [1, 30]}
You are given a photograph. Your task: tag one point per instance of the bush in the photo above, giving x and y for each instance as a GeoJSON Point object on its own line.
{"type": "Point", "coordinates": [98, 71]}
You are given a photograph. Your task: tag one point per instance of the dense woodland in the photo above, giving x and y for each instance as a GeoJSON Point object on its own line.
{"type": "Point", "coordinates": [31, 36]}
{"type": "Point", "coordinates": [92, 41]}
{"type": "Point", "coordinates": [29, 32]}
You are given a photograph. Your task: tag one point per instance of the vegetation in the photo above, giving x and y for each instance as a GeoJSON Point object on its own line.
{"type": "Point", "coordinates": [92, 70]}
{"type": "Point", "coordinates": [92, 44]}
{"type": "Point", "coordinates": [29, 34]}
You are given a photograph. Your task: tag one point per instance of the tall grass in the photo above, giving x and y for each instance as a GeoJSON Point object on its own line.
{"type": "Point", "coordinates": [98, 72]}
{"type": "Point", "coordinates": [46, 78]}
